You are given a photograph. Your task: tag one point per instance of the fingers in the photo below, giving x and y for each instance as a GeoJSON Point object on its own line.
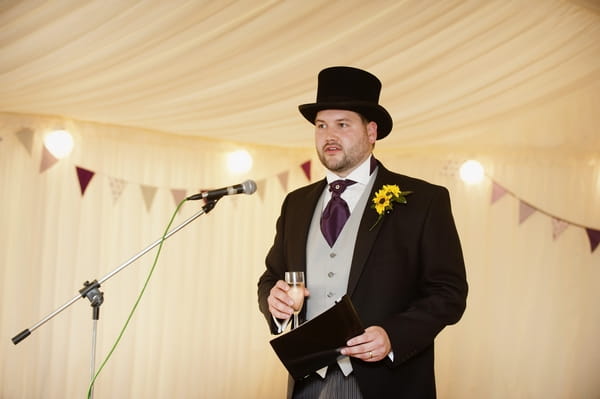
{"type": "Point", "coordinates": [371, 346]}
{"type": "Point", "coordinates": [280, 303]}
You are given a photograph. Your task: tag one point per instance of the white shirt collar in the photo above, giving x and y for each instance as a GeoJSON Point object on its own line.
{"type": "Point", "coordinates": [360, 174]}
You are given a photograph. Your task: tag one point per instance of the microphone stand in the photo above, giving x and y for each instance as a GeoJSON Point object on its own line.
{"type": "Point", "coordinates": [91, 290]}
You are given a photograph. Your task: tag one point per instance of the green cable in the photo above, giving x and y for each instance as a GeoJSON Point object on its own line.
{"type": "Point", "coordinates": [135, 305]}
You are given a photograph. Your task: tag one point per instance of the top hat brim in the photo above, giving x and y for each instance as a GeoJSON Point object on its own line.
{"type": "Point", "coordinates": [373, 112]}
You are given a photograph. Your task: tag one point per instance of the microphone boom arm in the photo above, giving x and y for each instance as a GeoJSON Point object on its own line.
{"type": "Point", "coordinates": [96, 283]}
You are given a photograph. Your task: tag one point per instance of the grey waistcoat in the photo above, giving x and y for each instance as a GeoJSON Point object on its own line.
{"type": "Point", "coordinates": [327, 269]}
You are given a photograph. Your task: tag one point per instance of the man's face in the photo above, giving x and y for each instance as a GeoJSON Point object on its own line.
{"type": "Point", "coordinates": [343, 140]}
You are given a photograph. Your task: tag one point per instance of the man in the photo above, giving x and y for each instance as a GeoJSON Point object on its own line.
{"type": "Point", "coordinates": [400, 263]}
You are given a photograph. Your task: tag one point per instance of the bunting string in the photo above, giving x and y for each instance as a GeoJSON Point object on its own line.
{"type": "Point", "coordinates": [85, 175]}
{"type": "Point", "coordinates": [559, 225]}
{"type": "Point", "coordinates": [117, 185]}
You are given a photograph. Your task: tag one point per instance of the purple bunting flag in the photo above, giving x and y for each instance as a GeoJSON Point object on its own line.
{"type": "Point", "coordinates": [594, 237]}
{"type": "Point", "coordinates": [306, 168]}
{"type": "Point", "coordinates": [84, 176]}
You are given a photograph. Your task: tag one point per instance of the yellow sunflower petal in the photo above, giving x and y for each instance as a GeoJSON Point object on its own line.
{"type": "Point", "coordinates": [392, 189]}
{"type": "Point", "coordinates": [381, 201]}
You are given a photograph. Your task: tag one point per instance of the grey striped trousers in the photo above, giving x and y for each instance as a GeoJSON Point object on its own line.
{"type": "Point", "coordinates": [334, 386]}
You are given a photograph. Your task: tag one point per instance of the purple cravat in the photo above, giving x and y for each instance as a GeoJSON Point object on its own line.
{"type": "Point", "coordinates": [336, 212]}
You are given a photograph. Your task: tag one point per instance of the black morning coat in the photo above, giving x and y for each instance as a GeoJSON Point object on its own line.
{"type": "Point", "coordinates": [407, 276]}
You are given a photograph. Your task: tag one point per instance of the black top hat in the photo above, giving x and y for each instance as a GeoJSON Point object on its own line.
{"type": "Point", "coordinates": [350, 89]}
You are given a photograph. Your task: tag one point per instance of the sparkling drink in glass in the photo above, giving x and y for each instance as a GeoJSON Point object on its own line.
{"type": "Point", "coordinates": [296, 282]}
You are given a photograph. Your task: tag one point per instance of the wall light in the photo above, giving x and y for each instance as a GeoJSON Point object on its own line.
{"type": "Point", "coordinates": [239, 161]}
{"type": "Point", "coordinates": [471, 172]}
{"type": "Point", "coordinates": [59, 143]}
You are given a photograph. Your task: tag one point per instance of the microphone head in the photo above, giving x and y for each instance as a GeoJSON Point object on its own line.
{"type": "Point", "coordinates": [249, 187]}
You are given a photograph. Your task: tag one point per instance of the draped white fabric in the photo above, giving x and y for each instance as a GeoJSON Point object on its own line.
{"type": "Point", "coordinates": [529, 329]}
{"type": "Point", "coordinates": [170, 88]}
{"type": "Point", "coordinates": [197, 332]}
{"type": "Point", "coordinates": [237, 70]}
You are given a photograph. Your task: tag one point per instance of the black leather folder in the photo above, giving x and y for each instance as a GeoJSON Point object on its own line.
{"type": "Point", "coordinates": [317, 343]}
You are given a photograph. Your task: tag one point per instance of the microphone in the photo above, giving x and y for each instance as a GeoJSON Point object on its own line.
{"type": "Point", "coordinates": [247, 187]}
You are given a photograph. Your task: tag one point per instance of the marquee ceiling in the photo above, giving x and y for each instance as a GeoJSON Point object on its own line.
{"type": "Point", "coordinates": [454, 72]}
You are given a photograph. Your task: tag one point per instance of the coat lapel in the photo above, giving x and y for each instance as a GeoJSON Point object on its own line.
{"type": "Point", "coordinates": [302, 218]}
{"type": "Point", "coordinates": [367, 234]}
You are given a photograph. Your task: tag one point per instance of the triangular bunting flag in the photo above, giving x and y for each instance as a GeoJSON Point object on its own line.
{"type": "Point", "coordinates": [25, 136]}
{"type": "Point", "coordinates": [47, 160]}
{"type": "Point", "coordinates": [261, 188]}
{"type": "Point", "coordinates": [148, 193]}
{"type": "Point", "coordinates": [306, 168]}
{"type": "Point", "coordinates": [84, 176]}
{"type": "Point", "coordinates": [283, 180]}
{"type": "Point", "coordinates": [497, 191]}
{"type": "Point", "coordinates": [178, 195]}
{"type": "Point", "coordinates": [450, 168]}
{"type": "Point", "coordinates": [594, 237]}
{"type": "Point", "coordinates": [558, 226]}
{"type": "Point", "coordinates": [525, 210]}
{"type": "Point", "coordinates": [116, 187]}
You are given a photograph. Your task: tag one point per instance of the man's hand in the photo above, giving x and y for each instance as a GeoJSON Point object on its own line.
{"type": "Point", "coordinates": [371, 346]}
{"type": "Point", "coordinates": [280, 303]}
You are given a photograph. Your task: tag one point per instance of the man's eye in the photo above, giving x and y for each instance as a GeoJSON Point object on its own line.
{"type": "Point", "coordinates": [320, 125]}
{"type": "Point", "coordinates": [343, 124]}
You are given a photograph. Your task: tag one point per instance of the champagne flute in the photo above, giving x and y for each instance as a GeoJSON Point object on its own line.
{"type": "Point", "coordinates": [296, 282]}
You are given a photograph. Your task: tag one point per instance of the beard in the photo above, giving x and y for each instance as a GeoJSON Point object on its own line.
{"type": "Point", "coordinates": [342, 162]}
{"type": "Point", "coordinates": [334, 164]}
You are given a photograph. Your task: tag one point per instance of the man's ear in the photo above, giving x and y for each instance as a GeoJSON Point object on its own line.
{"type": "Point", "coordinates": [372, 131]}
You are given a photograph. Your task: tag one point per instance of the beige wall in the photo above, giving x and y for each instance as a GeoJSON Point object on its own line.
{"type": "Point", "coordinates": [529, 330]}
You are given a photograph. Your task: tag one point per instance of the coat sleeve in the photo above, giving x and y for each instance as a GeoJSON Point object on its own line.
{"type": "Point", "coordinates": [275, 268]}
{"type": "Point", "coordinates": [439, 296]}
{"type": "Point", "coordinates": [289, 246]}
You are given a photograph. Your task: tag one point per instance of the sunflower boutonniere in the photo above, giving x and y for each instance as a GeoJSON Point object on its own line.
{"type": "Point", "coordinates": [383, 201]}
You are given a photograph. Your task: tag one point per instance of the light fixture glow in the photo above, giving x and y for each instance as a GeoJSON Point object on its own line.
{"type": "Point", "coordinates": [471, 172]}
{"type": "Point", "coordinates": [59, 143]}
{"type": "Point", "coordinates": [239, 161]}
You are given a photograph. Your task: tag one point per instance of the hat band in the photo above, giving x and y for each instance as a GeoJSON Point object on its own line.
{"type": "Point", "coordinates": [344, 99]}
